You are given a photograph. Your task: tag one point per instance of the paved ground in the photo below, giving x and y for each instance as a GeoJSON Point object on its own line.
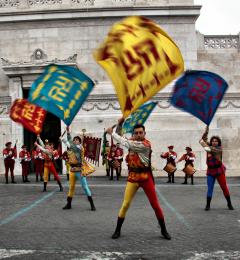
{"type": "Point", "coordinates": [34, 226]}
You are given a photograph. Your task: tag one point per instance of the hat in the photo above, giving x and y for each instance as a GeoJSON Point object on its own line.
{"type": "Point", "coordinates": [8, 143]}
{"type": "Point", "coordinates": [24, 146]}
{"type": "Point", "coordinates": [170, 147]}
{"type": "Point", "coordinates": [188, 148]}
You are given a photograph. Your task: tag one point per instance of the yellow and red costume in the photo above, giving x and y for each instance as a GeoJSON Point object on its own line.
{"type": "Point", "coordinates": [48, 165]}
{"type": "Point", "coordinates": [139, 176]}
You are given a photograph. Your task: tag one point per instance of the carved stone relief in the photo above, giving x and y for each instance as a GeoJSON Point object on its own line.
{"type": "Point", "coordinates": [9, 3]}
{"type": "Point", "coordinates": [44, 2]}
{"type": "Point", "coordinates": [83, 2]}
{"type": "Point", "coordinates": [218, 42]}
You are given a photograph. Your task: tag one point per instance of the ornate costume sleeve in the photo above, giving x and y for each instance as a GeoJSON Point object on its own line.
{"type": "Point", "coordinates": [138, 147]}
{"type": "Point", "coordinates": [65, 142]}
{"type": "Point", "coordinates": [44, 150]}
{"type": "Point", "coordinates": [40, 141]}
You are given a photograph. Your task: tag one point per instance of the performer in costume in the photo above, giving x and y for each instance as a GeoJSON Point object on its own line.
{"type": "Point", "coordinates": [9, 155]}
{"type": "Point", "coordinates": [189, 158]}
{"type": "Point", "coordinates": [216, 168]}
{"type": "Point", "coordinates": [119, 153]}
{"type": "Point", "coordinates": [139, 175]}
{"type": "Point", "coordinates": [105, 158]}
{"type": "Point", "coordinates": [25, 158]}
{"type": "Point", "coordinates": [65, 158]}
{"type": "Point", "coordinates": [48, 151]}
{"type": "Point", "coordinates": [171, 157]}
{"type": "Point", "coordinates": [38, 159]}
{"type": "Point", "coordinates": [114, 163]}
{"type": "Point", "coordinates": [76, 159]}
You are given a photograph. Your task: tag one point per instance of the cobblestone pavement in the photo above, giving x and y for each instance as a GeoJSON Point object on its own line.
{"type": "Point", "coordinates": [34, 226]}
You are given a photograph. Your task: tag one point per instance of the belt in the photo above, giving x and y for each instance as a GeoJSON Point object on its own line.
{"type": "Point", "coordinates": [140, 169]}
{"type": "Point", "coordinates": [76, 165]}
{"type": "Point", "coordinates": [215, 166]}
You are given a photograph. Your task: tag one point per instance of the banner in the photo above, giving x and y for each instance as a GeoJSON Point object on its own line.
{"type": "Point", "coordinates": [92, 148]}
{"type": "Point", "coordinates": [199, 93]}
{"type": "Point", "coordinates": [141, 59]}
{"type": "Point", "coordinates": [61, 90]}
{"type": "Point", "coordinates": [138, 117]}
{"type": "Point", "coordinates": [27, 114]}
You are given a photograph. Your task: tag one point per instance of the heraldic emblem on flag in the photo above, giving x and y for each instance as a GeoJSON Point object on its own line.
{"type": "Point", "coordinates": [27, 114]}
{"type": "Point", "coordinates": [141, 59]}
{"type": "Point", "coordinates": [199, 93]}
{"type": "Point", "coordinates": [61, 90]}
{"type": "Point", "coordinates": [138, 117]}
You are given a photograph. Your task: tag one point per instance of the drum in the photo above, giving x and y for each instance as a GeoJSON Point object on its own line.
{"type": "Point", "coordinates": [116, 164]}
{"type": "Point", "coordinates": [189, 170]}
{"type": "Point", "coordinates": [170, 168]}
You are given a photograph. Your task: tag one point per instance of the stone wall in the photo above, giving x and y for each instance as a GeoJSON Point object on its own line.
{"type": "Point", "coordinates": [68, 37]}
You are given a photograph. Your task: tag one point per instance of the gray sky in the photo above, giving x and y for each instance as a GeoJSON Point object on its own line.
{"type": "Point", "coordinates": [219, 17]}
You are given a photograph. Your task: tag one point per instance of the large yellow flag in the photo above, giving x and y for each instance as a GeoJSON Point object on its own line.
{"type": "Point", "coordinates": [140, 58]}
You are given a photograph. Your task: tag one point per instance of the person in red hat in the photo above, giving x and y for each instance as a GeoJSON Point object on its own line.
{"type": "Point", "coordinates": [9, 155]}
{"type": "Point", "coordinates": [170, 156]}
{"type": "Point", "coordinates": [189, 158]}
{"type": "Point", "coordinates": [38, 159]}
{"type": "Point", "coordinates": [25, 158]}
{"type": "Point", "coordinates": [114, 163]}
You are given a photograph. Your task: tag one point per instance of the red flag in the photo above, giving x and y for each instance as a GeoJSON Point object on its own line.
{"type": "Point", "coordinates": [27, 114]}
{"type": "Point", "coordinates": [92, 148]}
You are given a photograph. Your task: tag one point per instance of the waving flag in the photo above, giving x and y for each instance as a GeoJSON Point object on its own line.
{"type": "Point", "coordinates": [138, 117]}
{"type": "Point", "coordinates": [199, 93]}
{"type": "Point", "coordinates": [27, 114]}
{"type": "Point", "coordinates": [61, 90]}
{"type": "Point", "coordinates": [141, 59]}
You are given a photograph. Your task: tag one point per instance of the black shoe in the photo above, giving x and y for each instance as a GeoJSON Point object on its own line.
{"type": "Point", "coordinates": [164, 232]}
{"type": "Point", "coordinates": [208, 203]}
{"type": "Point", "coordinates": [69, 203]}
{"type": "Point", "coordinates": [91, 203]}
{"type": "Point", "coordinates": [184, 183]}
{"type": "Point", "coordinates": [116, 235]}
{"type": "Point", "coordinates": [44, 186]}
{"type": "Point", "coordinates": [117, 232]}
{"type": "Point", "coordinates": [229, 203]}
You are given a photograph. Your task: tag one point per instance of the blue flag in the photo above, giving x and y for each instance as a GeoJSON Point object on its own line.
{"type": "Point", "coordinates": [199, 93]}
{"type": "Point", "coordinates": [61, 90]}
{"type": "Point", "coordinates": [138, 117]}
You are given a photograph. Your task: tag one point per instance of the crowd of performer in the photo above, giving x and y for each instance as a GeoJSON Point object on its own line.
{"type": "Point", "coordinates": [138, 161]}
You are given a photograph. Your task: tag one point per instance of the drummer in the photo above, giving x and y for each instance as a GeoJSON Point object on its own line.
{"type": "Point", "coordinates": [170, 167]}
{"type": "Point", "coordinates": [189, 158]}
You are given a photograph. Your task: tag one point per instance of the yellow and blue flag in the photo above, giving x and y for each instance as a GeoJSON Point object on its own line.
{"type": "Point", "coordinates": [61, 90]}
{"type": "Point", "coordinates": [141, 59]}
{"type": "Point", "coordinates": [138, 117]}
{"type": "Point", "coordinates": [199, 93]}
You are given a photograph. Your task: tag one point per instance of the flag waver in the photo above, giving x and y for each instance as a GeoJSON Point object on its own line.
{"type": "Point", "coordinates": [27, 114]}
{"type": "Point", "coordinates": [141, 59]}
{"type": "Point", "coordinates": [138, 117]}
{"type": "Point", "coordinates": [61, 90]}
{"type": "Point", "coordinates": [199, 93]}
